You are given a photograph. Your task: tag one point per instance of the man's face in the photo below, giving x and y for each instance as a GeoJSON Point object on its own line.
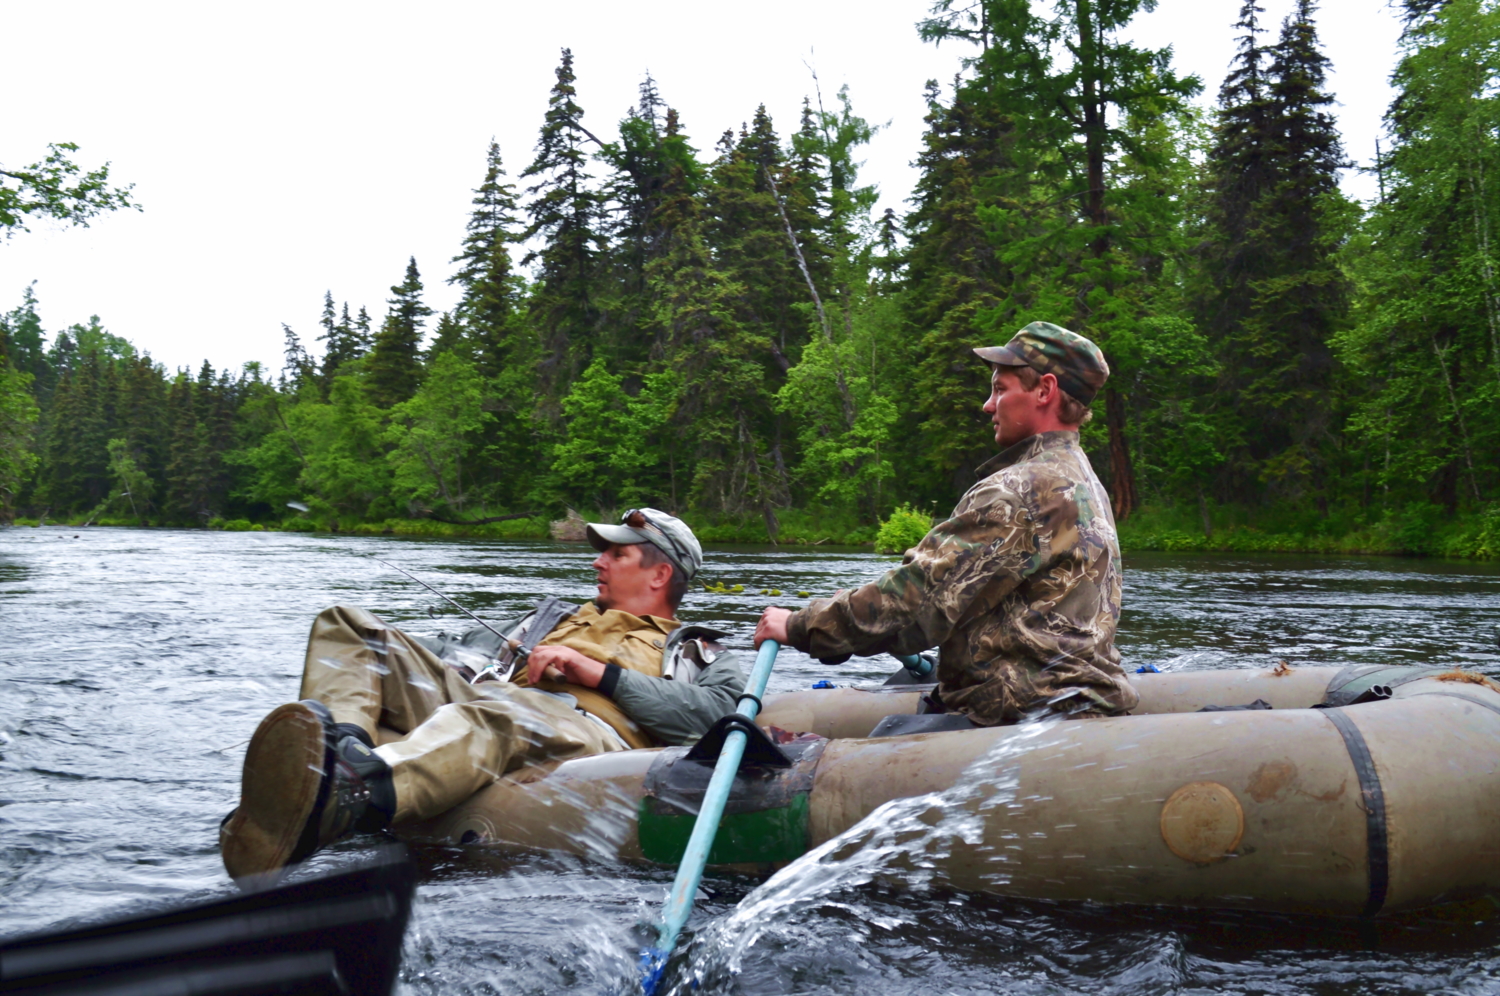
{"type": "Point", "coordinates": [622, 579]}
{"type": "Point", "coordinates": [1011, 407]}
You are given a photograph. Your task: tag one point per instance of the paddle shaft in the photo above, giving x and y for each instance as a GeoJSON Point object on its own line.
{"type": "Point", "coordinates": [690, 869]}
{"type": "Point", "coordinates": [918, 665]}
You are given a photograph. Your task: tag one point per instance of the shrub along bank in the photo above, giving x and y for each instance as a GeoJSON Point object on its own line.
{"type": "Point", "coordinates": [1419, 530]}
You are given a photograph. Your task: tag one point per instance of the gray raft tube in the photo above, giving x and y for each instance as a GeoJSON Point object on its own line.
{"type": "Point", "coordinates": [1385, 799]}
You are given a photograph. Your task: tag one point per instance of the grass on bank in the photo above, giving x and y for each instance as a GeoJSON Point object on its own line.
{"type": "Point", "coordinates": [1420, 529]}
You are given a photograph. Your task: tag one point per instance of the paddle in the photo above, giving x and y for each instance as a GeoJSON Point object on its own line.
{"type": "Point", "coordinates": [690, 870]}
{"type": "Point", "coordinates": [919, 666]}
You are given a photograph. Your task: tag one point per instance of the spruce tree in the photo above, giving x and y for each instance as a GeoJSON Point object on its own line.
{"type": "Point", "coordinates": [1072, 92]}
{"type": "Point", "coordinates": [564, 212]}
{"type": "Point", "coordinates": [342, 342]}
{"type": "Point", "coordinates": [298, 368]}
{"type": "Point", "coordinates": [743, 229]}
{"type": "Point", "coordinates": [185, 493]}
{"type": "Point", "coordinates": [718, 363]}
{"type": "Point", "coordinates": [650, 147]}
{"type": "Point", "coordinates": [1425, 346]}
{"type": "Point", "coordinates": [25, 344]}
{"type": "Point", "coordinates": [394, 368]}
{"type": "Point", "coordinates": [75, 454]}
{"type": "Point", "coordinates": [955, 277]}
{"type": "Point", "coordinates": [140, 419]}
{"type": "Point", "coordinates": [491, 288]}
{"type": "Point", "coordinates": [449, 337]}
{"type": "Point", "coordinates": [1272, 295]}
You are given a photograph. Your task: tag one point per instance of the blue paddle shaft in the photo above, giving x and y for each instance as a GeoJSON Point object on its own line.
{"type": "Point", "coordinates": [690, 870]}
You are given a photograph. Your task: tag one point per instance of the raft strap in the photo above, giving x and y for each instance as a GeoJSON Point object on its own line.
{"type": "Point", "coordinates": [1454, 695]}
{"type": "Point", "coordinates": [758, 747]}
{"type": "Point", "coordinates": [1373, 799]}
{"type": "Point", "coordinates": [746, 696]}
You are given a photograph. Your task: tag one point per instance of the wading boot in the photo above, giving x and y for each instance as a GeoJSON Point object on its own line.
{"type": "Point", "coordinates": [307, 781]}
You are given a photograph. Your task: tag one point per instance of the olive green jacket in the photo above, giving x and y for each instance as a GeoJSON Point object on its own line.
{"type": "Point", "coordinates": [1019, 588]}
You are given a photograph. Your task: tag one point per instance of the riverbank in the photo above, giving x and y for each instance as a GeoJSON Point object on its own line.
{"type": "Point", "coordinates": [1417, 531]}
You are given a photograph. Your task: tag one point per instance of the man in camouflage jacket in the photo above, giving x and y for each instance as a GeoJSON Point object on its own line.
{"type": "Point", "coordinates": [1020, 587]}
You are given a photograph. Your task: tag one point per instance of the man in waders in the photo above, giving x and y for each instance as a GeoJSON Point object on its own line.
{"type": "Point", "coordinates": [617, 673]}
{"type": "Point", "coordinates": [1020, 587]}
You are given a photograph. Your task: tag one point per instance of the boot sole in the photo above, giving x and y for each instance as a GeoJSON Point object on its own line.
{"type": "Point", "coordinates": [280, 789]}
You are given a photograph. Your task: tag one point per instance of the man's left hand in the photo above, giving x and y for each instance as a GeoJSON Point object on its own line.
{"type": "Point", "coordinates": [575, 668]}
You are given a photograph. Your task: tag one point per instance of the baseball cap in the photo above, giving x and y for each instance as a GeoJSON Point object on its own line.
{"type": "Point", "coordinates": [667, 533]}
{"type": "Point", "coordinates": [1076, 362]}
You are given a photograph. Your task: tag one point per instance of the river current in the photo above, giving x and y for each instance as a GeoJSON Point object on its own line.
{"type": "Point", "coordinates": [135, 663]}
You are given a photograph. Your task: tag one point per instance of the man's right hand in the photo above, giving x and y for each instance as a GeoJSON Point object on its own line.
{"type": "Point", "coordinates": [772, 625]}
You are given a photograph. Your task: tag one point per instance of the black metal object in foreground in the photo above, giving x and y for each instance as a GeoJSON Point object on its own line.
{"type": "Point", "coordinates": [337, 934]}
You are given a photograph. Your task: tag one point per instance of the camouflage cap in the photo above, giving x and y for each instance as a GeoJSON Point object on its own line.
{"type": "Point", "coordinates": [667, 533]}
{"type": "Point", "coordinates": [1046, 348]}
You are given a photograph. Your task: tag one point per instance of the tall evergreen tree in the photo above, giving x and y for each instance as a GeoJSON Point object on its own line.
{"type": "Point", "coordinates": [25, 343]}
{"type": "Point", "coordinates": [1427, 340]}
{"type": "Point", "coordinates": [564, 211]}
{"type": "Point", "coordinates": [718, 363]}
{"type": "Point", "coordinates": [955, 278]}
{"type": "Point", "coordinates": [491, 288]}
{"type": "Point", "coordinates": [744, 230]}
{"type": "Point", "coordinates": [650, 148]}
{"type": "Point", "coordinates": [1072, 90]}
{"type": "Point", "coordinates": [394, 367]}
{"type": "Point", "coordinates": [1272, 293]}
{"type": "Point", "coordinates": [343, 343]}
{"type": "Point", "coordinates": [298, 368]}
{"type": "Point", "coordinates": [75, 454]}
{"type": "Point", "coordinates": [140, 419]}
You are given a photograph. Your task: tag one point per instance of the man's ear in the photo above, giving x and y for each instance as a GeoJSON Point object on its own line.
{"type": "Point", "coordinates": [661, 575]}
{"type": "Point", "coordinates": [1046, 390]}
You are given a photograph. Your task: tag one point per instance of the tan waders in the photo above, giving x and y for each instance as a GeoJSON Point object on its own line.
{"type": "Point", "coordinates": [309, 778]}
{"type": "Point", "coordinates": [458, 737]}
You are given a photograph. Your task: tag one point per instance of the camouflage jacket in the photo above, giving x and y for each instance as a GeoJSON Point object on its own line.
{"type": "Point", "coordinates": [1019, 588]}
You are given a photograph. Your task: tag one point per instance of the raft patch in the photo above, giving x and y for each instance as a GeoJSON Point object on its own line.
{"type": "Point", "coordinates": [1202, 822]}
{"type": "Point", "coordinates": [1270, 778]}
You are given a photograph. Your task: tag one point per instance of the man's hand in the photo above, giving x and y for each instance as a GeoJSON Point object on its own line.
{"type": "Point", "coordinates": [772, 625]}
{"type": "Point", "coordinates": [575, 668]}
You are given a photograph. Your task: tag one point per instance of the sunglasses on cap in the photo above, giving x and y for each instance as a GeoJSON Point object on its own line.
{"type": "Point", "coordinates": [638, 518]}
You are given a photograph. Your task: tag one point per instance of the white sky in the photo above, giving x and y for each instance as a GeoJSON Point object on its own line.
{"type": "Point", "coordinates": [281, 149]}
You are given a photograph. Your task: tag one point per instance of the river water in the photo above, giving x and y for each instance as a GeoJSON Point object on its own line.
{"type": "Point", "coordinates": [135, 663]}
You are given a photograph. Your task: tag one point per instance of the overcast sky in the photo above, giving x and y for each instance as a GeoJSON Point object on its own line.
{"type": "Point", "coordinates": [281, 149]}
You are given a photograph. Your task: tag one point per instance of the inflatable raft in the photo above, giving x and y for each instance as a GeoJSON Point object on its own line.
{"type": "Point", "coordinates": [1355, 791]}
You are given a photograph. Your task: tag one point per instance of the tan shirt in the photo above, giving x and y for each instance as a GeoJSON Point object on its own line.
{"type": "Point", "coordinates": [633, 642]}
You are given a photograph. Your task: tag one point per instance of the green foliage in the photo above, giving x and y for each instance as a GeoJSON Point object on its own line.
{"type": "Point", "coordinates": [903, 530]}
{"type": "Point", "coordinates": [58, 188]}
{"type": "Point", "coordinates": [343, 441]}
{"type": "Point", "coordinates": [394, 368]}
{"type": "Point", "coordinates": [614, 444]}
{"type": "Point", "coordinates": [732, 336]}
{"type": "Point", "coordinates": [18, 417]}
{"type": "Point", "coordinates": [136, 486]}
{"type": "Point", "coordinates": [431, 433]}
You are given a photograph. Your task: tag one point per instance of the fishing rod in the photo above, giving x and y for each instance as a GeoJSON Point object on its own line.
{"type": "Point", "coordinates": [517, 648]}
{"type": "Point", "coordinates": [504, 641]}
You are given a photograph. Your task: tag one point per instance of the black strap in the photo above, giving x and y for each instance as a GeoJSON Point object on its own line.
{"type": "Point", "coordinates": [758, 747]}
{"type": "Point", "coordinates": [1373, 799]}
{"type": "Point", "coordinates": [1454, 695]}
{"type": "Point", "coordinates": [747, 697]}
